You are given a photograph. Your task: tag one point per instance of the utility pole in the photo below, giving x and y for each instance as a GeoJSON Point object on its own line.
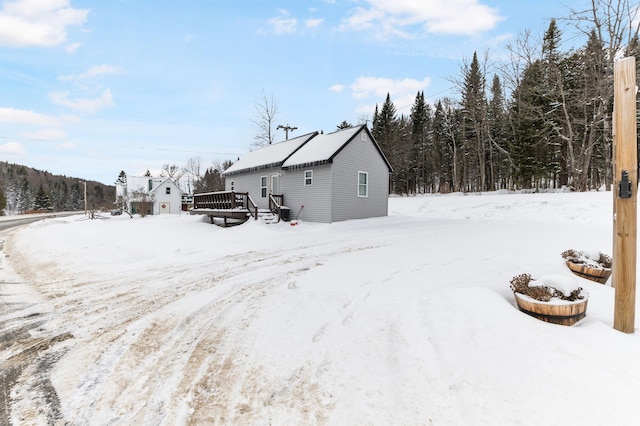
{"type": "Point", "coordinates": [625, 194]}
{"type": "Point", "coordinates": [85, 195]}
{"type": "Point", "coordinates": [286, 129]}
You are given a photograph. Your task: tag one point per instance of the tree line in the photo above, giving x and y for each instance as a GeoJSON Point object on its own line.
{"type": "Point", "coordinates": [541, 121]}
{"type": "Point", "coordinates": [24, 189]}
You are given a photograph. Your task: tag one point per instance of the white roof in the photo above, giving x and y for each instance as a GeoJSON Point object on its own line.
{"type": "Point", "coordinates": [312, 148]}
{"type": "Point", "coordinates": [322, 147]}
{"type": "Point", "coordinates": [273, 154]}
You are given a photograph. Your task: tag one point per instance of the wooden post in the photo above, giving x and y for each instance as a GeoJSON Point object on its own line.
{"type": "Point", "coordinates": [625, 176]}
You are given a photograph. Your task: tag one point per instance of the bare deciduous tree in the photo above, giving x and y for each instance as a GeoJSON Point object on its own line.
{"type": "Point", "coordinates": [266, 111]}
{"type": "Point", "coordinates": [171, 171]}
{"type": "Point", "coordinates": [141, 202]}
{"type": "Point", "coordinates": [192, 171]}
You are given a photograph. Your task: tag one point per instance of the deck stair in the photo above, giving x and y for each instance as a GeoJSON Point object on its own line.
{"type": "Point", "coordinates": [268, 217]}
{"type": "Point", "coordinates": [227, 208]}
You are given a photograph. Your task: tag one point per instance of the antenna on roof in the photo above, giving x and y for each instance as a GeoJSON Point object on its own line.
{"type": "Point", "coordinates": [286, 129]}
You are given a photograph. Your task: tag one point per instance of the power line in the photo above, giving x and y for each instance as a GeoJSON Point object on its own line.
{"type": "Point", "coordinates": [178, 150]}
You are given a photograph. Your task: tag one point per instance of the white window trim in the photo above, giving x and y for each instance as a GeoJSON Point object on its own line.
{"type": "Point", "coordinates": [310, 177]}
{"type": "Point", "coordinates": [264, 189]}
{"type": "Point", "coordinates": [366, 185]}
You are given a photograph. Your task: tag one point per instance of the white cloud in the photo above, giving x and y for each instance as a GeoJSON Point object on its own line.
{"type": "Point", "coordinates": [284, 24]}
{"type": "Point", "coordinates": [379, 87]}
{"type": "Point", "coordinates": [21, 116]}
{"type": "Point", "coordinates": [397, 18]}
{"type": "Point", "coordinates": [72, 47]}
{"type": "Point", "coordinates": [365, 110]}
{"type": "Point", "coordinates": [37, 22]}
{"type": "Point", "coordinates": [46, 134]}
{"type": "Point", "coordinates": [313, 23]}
{"type": "Point", "coordinates": [12, 149]}
{"type": "Point", "coordinates": [96, 71]}
{"type": "Point", "coordinates": [66, 146]}
{"type": "Point", "coordinates": [337, 88]}
{"type": "Point", "coordinates": [82, 105]}
{"type": "Point", "coordinates": [402, 92]}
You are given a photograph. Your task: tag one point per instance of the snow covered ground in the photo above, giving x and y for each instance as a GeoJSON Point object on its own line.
{"type": "Point", "coordinates": [405, 319]}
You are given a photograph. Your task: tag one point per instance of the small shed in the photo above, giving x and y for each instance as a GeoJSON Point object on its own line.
{"type": "Point", "coordinates": [336, 176]}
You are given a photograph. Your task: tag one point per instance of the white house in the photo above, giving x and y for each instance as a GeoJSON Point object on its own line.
{"type": "Point", "coordinates": [335, 176]}
{"type": "Point", "coordinates": [157, 195]}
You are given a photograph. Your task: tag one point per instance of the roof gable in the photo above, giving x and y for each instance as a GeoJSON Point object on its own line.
{"type": "Point", "coordinates": [304, 151]}
{"type": "Point", "coordinates": [323, 148]}
{"type": "Point", "coordinates": [269, 156]}
{"type": "Point", "coordinates": [163, 183]}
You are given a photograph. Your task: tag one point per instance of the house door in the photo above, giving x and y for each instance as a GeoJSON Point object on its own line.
{"type": "Point", "coordinates": [275, 184]}
{"type": "Point", "coordinates": [165, 207]}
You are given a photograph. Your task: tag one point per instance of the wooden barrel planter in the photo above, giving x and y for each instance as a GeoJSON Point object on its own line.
{"type": "Point", "coordinates": [567, 313]}
{"type": "Point", "coordinates": [599, 275]}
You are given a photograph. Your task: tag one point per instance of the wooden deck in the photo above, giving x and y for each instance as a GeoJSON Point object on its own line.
{"type": "Point", "coordinates": [233, 208]}
{"type": "Point", "coordinates": [225, 207]}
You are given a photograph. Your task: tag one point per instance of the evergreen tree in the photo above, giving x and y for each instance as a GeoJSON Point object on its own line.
{"type": "Point", "coordinates": [25, 197]}
{"type": "Point", "coordinates": [211, 181]}
{"type": "Point", "coordinates": [446, 137]}
{"type": "Point", "coordinates": [374, 123]}
{"type": "Point", "coordinates": [3, 202]}
{"type": "Point", "coordinates": [528, 144]}
{"type": "Point", "coordinates": [420, 127]}
{"type": "Point", "coordinates": [385, 131]}
{"type": "Point", "coordinates": [122, 178]}
{"type": "Point", "coordinates": [41, 201]}
{"type": "Point", "coordinates": [473, 126]}
{"type": "Point", "coordinates": [498, 131]}
{"type": "Point", "coordinates": [75, 199]}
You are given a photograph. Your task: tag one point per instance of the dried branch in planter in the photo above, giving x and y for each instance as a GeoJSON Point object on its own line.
{"type": "Point", "coordinates": [605, 260]}
{"type": "Point", "coordinates": [520, 284]}
{"type": "Point", "coordinates": [543, 293]}
{"type": "Point", "coordinates": [575, 295]}
{"type": "Point", "coordinates": [571, 255]}
{"type": "Point", "coordinates": [581, 258]}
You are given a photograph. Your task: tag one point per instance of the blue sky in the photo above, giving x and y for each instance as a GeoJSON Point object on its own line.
{"type": "Point", "coordinates": [92, 87]}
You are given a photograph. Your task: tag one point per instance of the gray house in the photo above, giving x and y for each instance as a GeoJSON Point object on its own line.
{"type": "Point", "coordinates": [335, 176]}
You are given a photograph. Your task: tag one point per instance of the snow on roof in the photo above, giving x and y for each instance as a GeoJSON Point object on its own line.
{"type": "Point", "coordinates": [270, 155]}
{"type": "Point", "coordinates": [322, 147]}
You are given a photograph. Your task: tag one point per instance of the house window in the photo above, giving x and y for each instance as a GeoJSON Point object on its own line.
{"type": "Point", "coordinates": [363, 136]}
{"type": "Point", "coordinates": [263, 186]}
{"type": "Point", "coordinates": [168, 190]}
{"type": "Point", "coordinates": [363, 184]}
{"type": "Point", "coordinates": [308, 177]}
{"type": "Point", "coordinates": [232, 185]}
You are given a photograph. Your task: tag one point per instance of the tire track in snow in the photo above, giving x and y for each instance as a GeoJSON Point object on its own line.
{"type": "Point", "coordinates": [134, 335]}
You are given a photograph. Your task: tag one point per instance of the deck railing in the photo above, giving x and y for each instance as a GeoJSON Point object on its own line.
{"type": "Point", "coordinates": [225, 200]}
{"type": "Point", "coordinates": [276, 201]}
{"type": "Point", "coordinates": [253, 207]}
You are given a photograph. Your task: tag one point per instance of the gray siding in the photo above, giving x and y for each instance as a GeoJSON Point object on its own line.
{"type": "Point", "coordinates": [250, 182]}
{"type": "Point", "coordinates": [316, 198]}
{"type": "Point", "coordinates": [333, 194]}
{"type": "Point", "coordinates": [359, 155]}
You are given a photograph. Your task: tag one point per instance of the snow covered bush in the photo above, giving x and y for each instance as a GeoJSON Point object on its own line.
{"type": "Point", "coordinates": [548, 287]}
